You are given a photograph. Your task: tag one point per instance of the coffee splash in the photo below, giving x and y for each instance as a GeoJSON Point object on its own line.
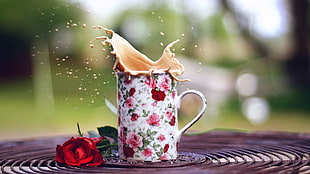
{"type": "Point", "coordinates": [130, 60]}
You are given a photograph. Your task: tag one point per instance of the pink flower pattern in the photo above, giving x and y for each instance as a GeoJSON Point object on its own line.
{"type": "Point", "coordinates": [169, 114]}
{"type": "Point", "coordinates": [164, 84]}
{"type": "Point", "coordinates": [129, 102]}
{"type": "Point", "coordinates": [134, 141]}
{"type": "Point", "coordinates": [147, 152]}
{"type": "Point", "coordinates": [146, 107]}
{"type": "Point", "coordinates": [161, 137]}
{"type": "Point", "coordinates": [153, 120]}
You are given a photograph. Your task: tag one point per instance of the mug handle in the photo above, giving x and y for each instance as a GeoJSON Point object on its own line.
{"type": "Point", "coordinates": [201, 112]}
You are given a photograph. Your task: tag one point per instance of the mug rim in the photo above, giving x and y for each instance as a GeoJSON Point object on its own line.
{"type": "Point", "coordinates": [137, 73]}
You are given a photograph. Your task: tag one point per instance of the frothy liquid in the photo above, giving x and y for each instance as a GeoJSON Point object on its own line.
{"type": "Point", "coordinates": [130, 60]}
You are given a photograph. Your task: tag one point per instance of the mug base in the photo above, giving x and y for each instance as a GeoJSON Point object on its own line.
{"type": "Point", "coordinates": [183, 159]}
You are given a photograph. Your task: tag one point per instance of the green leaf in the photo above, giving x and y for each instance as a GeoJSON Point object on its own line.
{"type": "Point", "coordinates": [158, 154]}
{"type": "Point", "coordinates": [106, 146]}
{"type": "Point", "coordinates": [156, 146]}
{"type": "Point", "coordinates": [79, 130]}
{"type": "Point", "coordinates": [108, 131]}
{"type": "Point", "coordinates": [146, 143]}
{"type": "Point", "coordinates": [148, 132]}
{"type": "Point", "coordinates": [142, 134]}
{"type": "Point", "coordinates": [93, 134]}
{"type": "Point", "coordinates": [154, 133]}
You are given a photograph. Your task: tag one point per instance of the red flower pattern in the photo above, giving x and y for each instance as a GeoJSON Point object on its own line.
{"type": "Point", "coordinates": [172, 121]}
{"type": "Point", "coordinates": [158, 95]}
{"type": "Point", "coordinates": [134, 117]}
{"type": "Point", "coordinates": [166, 148]}
{"type": "Point", "coordinates": [132, 91]}
{"type": "Point", "coordinates": [128, 152]}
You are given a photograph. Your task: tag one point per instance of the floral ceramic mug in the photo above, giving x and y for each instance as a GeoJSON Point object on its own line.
{"type": "Point", "coordinates": [147, 116]}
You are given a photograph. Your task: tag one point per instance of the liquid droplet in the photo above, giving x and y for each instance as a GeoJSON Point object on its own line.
{"type": "Point", "coordinates": [91, 45]}
{"type": "Point", "coordinates": [162, 33]}
{"type": "Point", "coordinates": [183, 49]}
{"type": "Point", "coordinates": [84, 25]}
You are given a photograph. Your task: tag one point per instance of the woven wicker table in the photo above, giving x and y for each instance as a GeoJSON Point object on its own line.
{"type": "Point", "coordinates": [212, 152]}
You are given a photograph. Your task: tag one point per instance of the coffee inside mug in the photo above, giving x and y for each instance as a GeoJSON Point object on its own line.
{"type": "Point", "coordinates": [148, 116]}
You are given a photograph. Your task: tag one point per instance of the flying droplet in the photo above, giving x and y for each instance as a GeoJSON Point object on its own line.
{"type": "Point", "coordinates": [183, 49]}
{"type": "Point", "coordinates": [162, 33]}
{"type": "Point", "coordinates": [74, 25]}
{"type": "Point", "coordinates": [84, 25]}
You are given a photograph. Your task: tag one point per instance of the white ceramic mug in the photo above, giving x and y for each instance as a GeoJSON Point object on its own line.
{"type": "Point", "coordinates": [147, 116]}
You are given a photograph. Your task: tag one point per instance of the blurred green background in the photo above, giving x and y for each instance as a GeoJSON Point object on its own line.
{"type": "Point", "coordinates": [250, 59]}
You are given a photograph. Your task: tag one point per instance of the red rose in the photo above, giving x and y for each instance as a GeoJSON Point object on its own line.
{"type": "Point", "coordinates": [79, 151]}
{"type": "Point", "coordinates": [132, 91]}
{"type": "Point", "coordinates": [158, 95]}
{"type": "Point", "coordinates": [172, 121]}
